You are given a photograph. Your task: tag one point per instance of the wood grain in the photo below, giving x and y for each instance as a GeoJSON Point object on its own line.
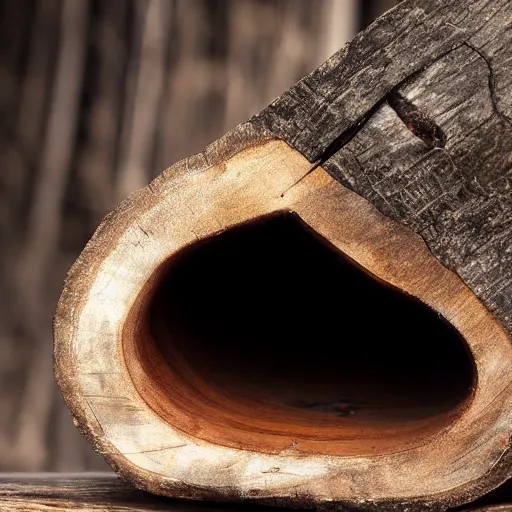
{"type": "Point", "coordinates": [41, 492]}
{"type": "Point", "coordinates": [68, 492]}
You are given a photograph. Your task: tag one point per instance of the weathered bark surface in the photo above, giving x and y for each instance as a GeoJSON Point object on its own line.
{"type": "Point", "coordinates": [341, 92]}
{"type": "Point", "coordinates": [452, 61]}
{"type": "Point", "coordinates": [457, 197]}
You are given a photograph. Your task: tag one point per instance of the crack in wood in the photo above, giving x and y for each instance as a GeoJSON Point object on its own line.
{"type": "Point", "coordinates": [345, 137]}
{"type": "Point", "coordinates": [417, 121]}
{"type": "Point", "coordinates": [492, 82]}
{"type": "Point", "coordinates": [157, 450]}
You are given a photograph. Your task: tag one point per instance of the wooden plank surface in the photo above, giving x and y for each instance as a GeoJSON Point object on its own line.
{"type": "Point", "coordinates": [38, 492]}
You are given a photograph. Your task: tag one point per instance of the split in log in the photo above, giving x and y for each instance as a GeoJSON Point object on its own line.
{"type": "Point", "coordinates": [252, 327]}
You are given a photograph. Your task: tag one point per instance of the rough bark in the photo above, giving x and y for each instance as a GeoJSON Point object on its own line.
{"type": "Point", "coordinates": [457, 196]}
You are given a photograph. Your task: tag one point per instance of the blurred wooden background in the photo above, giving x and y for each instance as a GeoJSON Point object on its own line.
{"type": "Point", "coordinates": [96, 98]}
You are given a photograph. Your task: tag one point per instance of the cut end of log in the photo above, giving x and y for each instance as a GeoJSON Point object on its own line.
{"type": "Point", "coordinates": [267, 338]}
{"type": "Point", "coordinates": [256, 331]}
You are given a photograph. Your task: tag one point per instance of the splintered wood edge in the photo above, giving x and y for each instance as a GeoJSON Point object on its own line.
{"type": "Point", "coordinates": [245, 175]}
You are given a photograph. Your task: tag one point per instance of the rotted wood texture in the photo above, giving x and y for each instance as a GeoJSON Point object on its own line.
{"type": "Point", "coordinates": [411, 122]}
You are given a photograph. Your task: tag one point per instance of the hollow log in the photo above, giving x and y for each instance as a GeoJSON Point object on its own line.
{"type": "Point", "coordinates": [315, 311]}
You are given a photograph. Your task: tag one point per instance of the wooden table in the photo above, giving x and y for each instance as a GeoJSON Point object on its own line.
{"type": "Point", "coordinates": [62, 492]}
{"type": "Point", "coordinates": [37, 492]}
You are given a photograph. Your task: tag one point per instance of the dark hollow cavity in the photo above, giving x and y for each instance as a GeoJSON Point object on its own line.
{"type": "Point", "coordinates": [268, 327]}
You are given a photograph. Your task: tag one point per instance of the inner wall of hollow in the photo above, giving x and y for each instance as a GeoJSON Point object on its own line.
{"type": "Point", "coordinates": [177, 385]}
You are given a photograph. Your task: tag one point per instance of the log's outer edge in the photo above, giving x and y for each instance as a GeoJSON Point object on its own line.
{"type": "Point", "coordinates": [243, 136]}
